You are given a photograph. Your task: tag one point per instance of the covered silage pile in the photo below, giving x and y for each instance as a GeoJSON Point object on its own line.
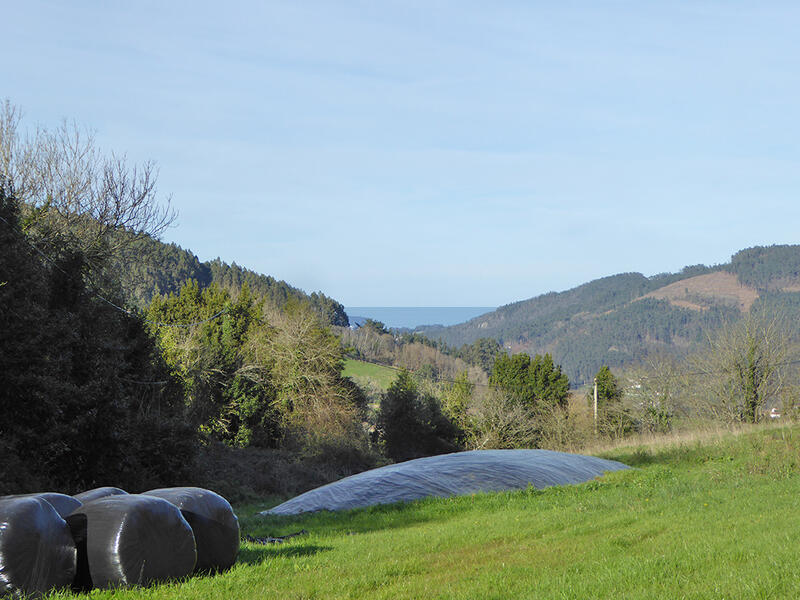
{"type": "Point", "coordinates": [447, 475]}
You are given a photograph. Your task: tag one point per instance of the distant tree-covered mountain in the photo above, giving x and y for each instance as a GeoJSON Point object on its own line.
{"type": "Point", "coordinates": [767, 268]}
{"type": "Point", "coordinates": [621, 319]}
{"type": "Point", "coordinates": [150, 268]}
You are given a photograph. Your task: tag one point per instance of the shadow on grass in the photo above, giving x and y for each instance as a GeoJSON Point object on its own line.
{"type": "Point", "coordinates": [640, 457]}
{"type": "Point", "coordinates": [249, 555]}
{"type": "Point", "coordinates": [362, 520]}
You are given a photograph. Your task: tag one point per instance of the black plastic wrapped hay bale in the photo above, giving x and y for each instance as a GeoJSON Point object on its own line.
{"type": "Point", "coordinates": [215, 526]}
{"type": "Point", "coordinates": [37, 552]}
{"type": "Point", "coordinates": [63, 504]}
{"type": "Point", "coordinates": [97, 493]}
{"type": "Point", "coordinates": [127, 540]}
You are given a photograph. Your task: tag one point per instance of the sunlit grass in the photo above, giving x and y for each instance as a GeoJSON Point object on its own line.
{"type": "Point", "coordinates": [705, 518]}
{"type": "Point", "coordinates": [381, 377]}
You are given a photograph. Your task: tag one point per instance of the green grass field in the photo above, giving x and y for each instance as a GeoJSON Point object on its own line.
{"type": "Point", "coordinates": [706, 519]}
{"type": "Point", "coordinates": [362, 371]}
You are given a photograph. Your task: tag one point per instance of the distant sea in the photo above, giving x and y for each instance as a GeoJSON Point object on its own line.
{"type": "Point", "coordinates": [415, 316]}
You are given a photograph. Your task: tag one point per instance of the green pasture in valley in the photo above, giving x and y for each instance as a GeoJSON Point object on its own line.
{"type": "Point", "coordinates": [361, 371]}
{"type": "Point", "coordinates": [711, 519]}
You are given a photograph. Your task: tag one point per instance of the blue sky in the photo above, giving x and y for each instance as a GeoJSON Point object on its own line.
{"type": "Point", "coordinates": [437, 153]}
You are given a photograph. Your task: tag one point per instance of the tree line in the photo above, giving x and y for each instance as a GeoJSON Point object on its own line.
{"type": "Point", "coordinates": [101, 387]}
{"type": "Point", "coordinates": [78, 408]}
{"type": "Point", "coordinates": [149, 268]}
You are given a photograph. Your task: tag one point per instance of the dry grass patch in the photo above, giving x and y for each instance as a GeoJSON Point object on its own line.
{"type": "Point", "coordinates": [696, 293]}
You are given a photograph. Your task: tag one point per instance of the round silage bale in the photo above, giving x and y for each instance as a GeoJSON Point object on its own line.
{"type": "Point", "coordinates": [215, 526]}
{"type": "Point", "coordinates": [63, 504]}
{"type": "Point", "coordinates": [131, 540]}
{"type": "Point", "coordinates": [98, 493]}
{"type": "Point", "coordinates": [37, 553]}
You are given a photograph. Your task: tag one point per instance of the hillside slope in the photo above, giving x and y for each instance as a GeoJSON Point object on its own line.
{"type": "Point", "coordinates": [151, 267]}
{"type": "Point", "coordinates": [621, 319]}
{"type": "Point", "coordinates": [704, 291]}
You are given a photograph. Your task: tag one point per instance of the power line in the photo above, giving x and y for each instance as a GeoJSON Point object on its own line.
{"type": "Point", "coordinates": [126, 380]}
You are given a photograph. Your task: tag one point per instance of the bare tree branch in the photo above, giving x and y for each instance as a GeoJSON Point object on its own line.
{"type": "Point", "coordinates": [72, 190]}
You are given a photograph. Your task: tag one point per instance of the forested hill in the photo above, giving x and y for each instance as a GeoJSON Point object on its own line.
{"type": "Point", "coordinates": [621, 319]}
{"type": "Point", "coordinates": [151, 267]}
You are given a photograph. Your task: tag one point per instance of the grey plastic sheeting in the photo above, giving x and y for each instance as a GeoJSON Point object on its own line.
{"type": "Point", "coordinates": [97, 493]}
{"type": "Point", "coordinates": [213, 522]}
{"type": "Point", "coordinates": [131, 539]}
{"type": "Point", "coordinates": [63, 504]}
{"type": "Point", "coordinates": [37, 552]}
{"type": "Point", "coordinates": [450, 475]}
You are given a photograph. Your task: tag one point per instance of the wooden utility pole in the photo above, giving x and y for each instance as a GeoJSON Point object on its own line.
{"type": "Point", "coordinates": [595, 405]}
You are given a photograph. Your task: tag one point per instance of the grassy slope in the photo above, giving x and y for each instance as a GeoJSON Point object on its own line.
{"type": "Point", "coordinates": [359, 371]}
{"type": "Point", "coordinates": [714, 519]}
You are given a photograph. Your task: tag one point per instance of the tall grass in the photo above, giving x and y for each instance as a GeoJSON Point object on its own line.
{"type": "Point", "coordinates": [700, 431]}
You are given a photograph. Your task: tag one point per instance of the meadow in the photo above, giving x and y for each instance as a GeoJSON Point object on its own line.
{"type": "Point", "coordinates": [368, 374]}
{"type": "Point", "coordinates": [717, 517]}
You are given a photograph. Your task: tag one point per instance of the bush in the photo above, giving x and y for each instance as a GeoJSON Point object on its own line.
{"type": "Point", "coordinates": [411, 424]}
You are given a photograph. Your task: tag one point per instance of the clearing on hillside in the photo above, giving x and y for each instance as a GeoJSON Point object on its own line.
{"type": "Point", "coordinates": [697, 293]}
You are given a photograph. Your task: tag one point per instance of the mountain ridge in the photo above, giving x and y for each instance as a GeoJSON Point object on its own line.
{"type": "Point", "coordinates": [620, 319]}
{"type": "Point", "coordinates": [151, 267]}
